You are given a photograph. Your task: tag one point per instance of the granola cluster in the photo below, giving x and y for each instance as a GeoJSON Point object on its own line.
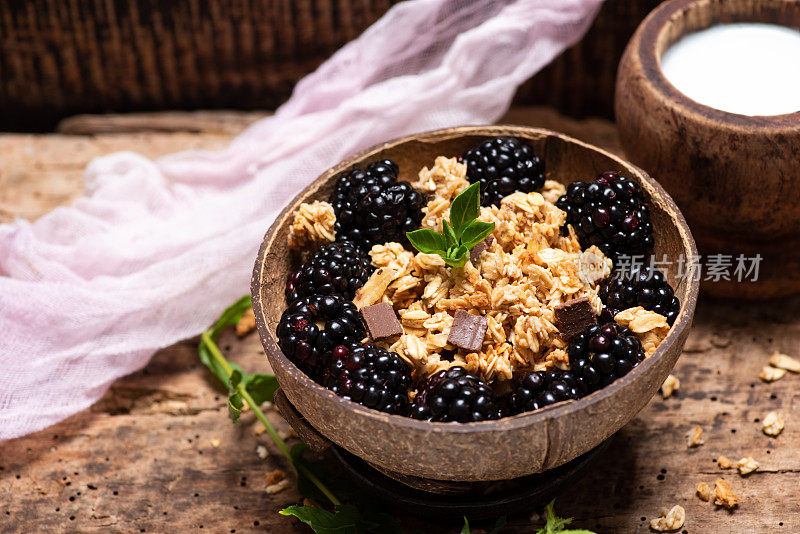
{"type": "Point", "coordinates": [312, 225]}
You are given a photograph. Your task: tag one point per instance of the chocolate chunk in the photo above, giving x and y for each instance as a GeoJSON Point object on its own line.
{"type": "Point", "coordinates": [467, 331]}
{"type": "Point", "coordinates": [381, 321]}
{"type": "Point", "coordinates": [477, 250]}
{"type": "Point", "coordinates": [574, 316]}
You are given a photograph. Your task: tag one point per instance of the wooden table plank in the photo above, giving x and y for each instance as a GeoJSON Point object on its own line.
{"type": "Point", "coordinates": [142, 459]}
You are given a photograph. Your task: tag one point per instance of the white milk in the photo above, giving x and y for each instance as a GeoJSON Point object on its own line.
{"type": "Point", "coordinates": [747, 68]}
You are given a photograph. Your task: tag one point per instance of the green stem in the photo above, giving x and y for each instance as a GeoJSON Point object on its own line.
{"type": "Point", "coordinates": [211, 345]}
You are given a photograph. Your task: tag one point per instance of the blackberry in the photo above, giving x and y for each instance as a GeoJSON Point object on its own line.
{"type": "Point", "coordinates": [601, 354]}
{"type": "Point", "coordinates": [609, 212]}
{"type": "Point", "coordinates": [335, 269]}
{"type": "Point", "coordinates": [370, 376]}
{"type": "Point", "coordinates": [372, 207]}
{"type": "Point", "coordinates": [641, 285]}
{"type": "Point", "coordinates": [453, 395]}
{"type": "Point", "coordinates": [303, 341]}
{"type": "Point", "coordinates": [503, 165]}
{"type": "Point", "coordinates": [539, 389]}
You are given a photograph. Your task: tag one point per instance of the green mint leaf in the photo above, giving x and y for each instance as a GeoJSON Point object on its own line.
{"type": "Point", "coordinates": [235, 405]}
{"type": "Point", "coordinates": [555, 525]}
{"type": "Point", "coordinates": [449, 235]}
{"type": "Point", "coordinates": [344, 520]}
{"type": "Point", "coordinates": [427, 241]}
{"type": "Point", "coordinates": [235, 401]}
{"type": "Point", "coordinates": [475, 232]}
{"type": "Point", "coordinates": [466, 207]}
{"type": "Point", "coordinates": [465, 529]}
{"type": "Point", "coordinates": [261, 387]}
{"type": "Point", "coordinates": [457, 258]}
{"type": "Point", "coordinates": [498, 525]}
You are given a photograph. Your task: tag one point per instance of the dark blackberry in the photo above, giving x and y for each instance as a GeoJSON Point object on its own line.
{"type": "Point", "coordinates": [369, 375]}
{"type": "Point", "coordinates": [372, 207]}
{"type": "Point", "coordinates": [303, 341]}
{"type": "Point", "coordinates": [640, 285]}
{"type": "Point", "coordinates": [601, 354]}
{"type": "Point", "coordinates": [503, 165]}
{"type": "Point", "coordinates": [539, 389]}
{"type": "Point", "coordinates": [609, 212]}
{"type": "Point", "coordinates": [453, 395]}
{"type": "Point", "coordinates": [335, 269]}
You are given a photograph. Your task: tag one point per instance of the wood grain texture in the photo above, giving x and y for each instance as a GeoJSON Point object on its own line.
{"type": "Point", "coordinates": [541, 440]}
{"type": "Point", "coordinates": [149, 439]}
{"type": "Point", "coordinates": [735, 177]}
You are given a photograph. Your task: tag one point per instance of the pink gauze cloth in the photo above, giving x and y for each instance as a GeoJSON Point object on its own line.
{"type": "Point", "coordinates": [155, 250]}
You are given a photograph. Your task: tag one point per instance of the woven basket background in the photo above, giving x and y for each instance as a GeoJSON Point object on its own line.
{"type": "Point", "coordinates": [59, 58]}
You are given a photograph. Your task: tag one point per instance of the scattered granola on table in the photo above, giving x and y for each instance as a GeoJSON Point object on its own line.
{"type": "Point", "coordinates": [772, 425]}
{"type": "Point", "coordinates": [246, 324]}
{"type": "Point", "coordinates": [746, 465]}
{"type": "Point", "coordinates": [723, 494]}
{"type": "Point", "coordinates": [704, 491]}
{"type": "Point", "coordinates": [278, 486]}
{"type": "Point", "coordinates": [672, 519]}
{"type": "Point", "coordinates": [771, 374]}
{"type": "Point", "coordinates": [275, 476]}
{"type": "Point", "coordinates": [724, 462]}
{"type": "Point", "coordinates": [784, 361]}
{"type": "Point", "coordinates": [670, 386]}
{"type": "Point", "coordinates": [507, 279]}
{"type": "Point", "coordinates": [695, 437]}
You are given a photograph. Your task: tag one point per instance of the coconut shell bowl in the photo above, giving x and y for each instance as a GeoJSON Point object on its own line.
{"type": "Point", "coordinates": [735, 177]}
{"type": "Point", "coordinates": [525, 444]}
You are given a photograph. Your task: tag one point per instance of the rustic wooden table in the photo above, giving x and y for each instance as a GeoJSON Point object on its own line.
{"type": "Point", "coordinates": [146, 457]}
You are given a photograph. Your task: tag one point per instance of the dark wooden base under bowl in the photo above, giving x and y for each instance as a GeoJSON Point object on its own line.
{"type": "Point", "coordinates": [477, 501]}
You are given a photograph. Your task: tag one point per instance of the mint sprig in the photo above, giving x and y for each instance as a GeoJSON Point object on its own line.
{"type": "Point", "coordinates": [555, 525]}
{"type": "Point", "coordinates": [252, 390]}
{"type": "Point", "coordinates": [460, 235]}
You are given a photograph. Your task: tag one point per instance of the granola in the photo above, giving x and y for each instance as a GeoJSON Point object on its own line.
{"type": "Point", "coordinates": [772, 425]}
{"type": "Point", "coordinates": [672, 519]}
{"type": "Point", "coordinates": [649, 326]}
{"type": "Point", "coordinates": [771, 374]}
{"type": "Point", "coordinates": [670, 386]}
{"type": "Point", "coordinates": [704, 491]}
{"type": "Point", "coordinates": [783, 361]}
{"type": "Point", "coordinates": [246, 324]}
{"type": "Point", "coordinates": [746, 465]}
{"type": "Point", "coordinates": [723, 494]}
{"type": "Point", "coordinates": [695, 437]}
{"type": "Point", "coordinates": [724, 462]}
{"type": "Point", "coordinates": [312, 225]}
{"type": "Point", "coordinates": [526, 272]}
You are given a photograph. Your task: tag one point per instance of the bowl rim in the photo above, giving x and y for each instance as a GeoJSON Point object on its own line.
{"type": "Point", "coordinates": [654, 191]}
{"type": "Point", "coordinates": [646, 40]}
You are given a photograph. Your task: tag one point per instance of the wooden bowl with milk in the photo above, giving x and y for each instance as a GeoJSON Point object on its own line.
{"type": "Point", "coordinates": [727, 152]}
